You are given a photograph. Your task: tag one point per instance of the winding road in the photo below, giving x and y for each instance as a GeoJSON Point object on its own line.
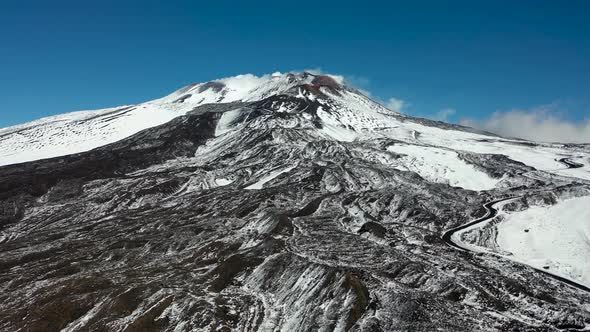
{"type": "Point", "coordinates": [491, 213]}
{"type": "Point", "coordinates": [570, 164]}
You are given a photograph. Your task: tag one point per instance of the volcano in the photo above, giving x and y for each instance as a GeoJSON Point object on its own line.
{"type": "Point", "coordinates": [287, 202]}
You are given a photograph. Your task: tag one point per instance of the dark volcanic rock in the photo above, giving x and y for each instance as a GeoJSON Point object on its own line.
{"type": "Point", "coordinates": [326, 81]}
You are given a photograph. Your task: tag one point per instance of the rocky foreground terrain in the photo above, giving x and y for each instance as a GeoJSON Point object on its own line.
{"type": "Point", "coordinates": [298, 204]}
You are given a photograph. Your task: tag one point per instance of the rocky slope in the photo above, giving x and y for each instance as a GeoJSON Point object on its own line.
{"type": "Point", "coordinates": [283, 203]}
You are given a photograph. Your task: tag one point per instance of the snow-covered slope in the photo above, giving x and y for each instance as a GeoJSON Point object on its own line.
{"type": "Point", "coordinates": [81, 131]}
{"type": "Point", "coordinates": [555, 238]}
{"type": "Point", "coordinates": [77, 132]}
{"type": "Point", "coordinates": [442, 166]}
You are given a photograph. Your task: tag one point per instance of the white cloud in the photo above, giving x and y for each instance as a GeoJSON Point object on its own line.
{"type": "Point", "coordinates": [318, 71]}
{"type": "Point", "coordinates": [358, 82]}
{"type": "Point", "coordinates": [539, 124]}
{"type": "Point", "coordinates": [314, 71]}
{"type": "Point", "coordinates": [444, 114]}
{"type": "Point", "coordinates": [395, 104]}
{"type": "Point", "coordinates": [365, 92]}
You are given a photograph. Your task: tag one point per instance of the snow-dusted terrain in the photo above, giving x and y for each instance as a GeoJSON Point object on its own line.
{"type": "Point", "coordinates": [555, 238]}
{"type": "Point", "coordinates": [287, 202]}
{"type": "Point", "coordinates": [442, 165]}
{"type": "Point", "coordinates": [353, 117]}
{"type": "Point", "coordinates": [82, 131]}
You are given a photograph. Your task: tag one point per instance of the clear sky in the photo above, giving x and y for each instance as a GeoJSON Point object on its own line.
{"type": "Point", "coordinates": [474, 57]}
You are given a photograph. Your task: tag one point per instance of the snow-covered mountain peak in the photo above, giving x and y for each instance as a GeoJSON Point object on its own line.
{"type": "Point", "coordinates": [250, 87]}
{"type": "Point", "coordinates": [81, 131]}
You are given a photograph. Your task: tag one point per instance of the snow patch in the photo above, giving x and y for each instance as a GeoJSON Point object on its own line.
{"type": "Point", "coordinates": [226, 121]}
{"type": "Point", "coordinates": [223, 181]}
{"type": "Point", "coordinates": [258, 185]}
{"type": "Point", "coordinates": [442, 166]}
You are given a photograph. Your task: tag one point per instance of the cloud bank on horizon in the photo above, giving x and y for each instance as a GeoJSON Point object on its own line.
{"type": "Point", "coordinates": [539, 124]}
{"type": "Point", "coordinates": [396, 104]}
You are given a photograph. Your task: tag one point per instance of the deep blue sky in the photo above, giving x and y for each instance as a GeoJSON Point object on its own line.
{"type": "Point", "coordinates": [61, 56]}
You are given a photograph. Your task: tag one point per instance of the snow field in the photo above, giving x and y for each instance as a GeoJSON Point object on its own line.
{"type": "Point", "coordinates": [554, 238]}
{"type": "Point", "coordinates": [442, 166]}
